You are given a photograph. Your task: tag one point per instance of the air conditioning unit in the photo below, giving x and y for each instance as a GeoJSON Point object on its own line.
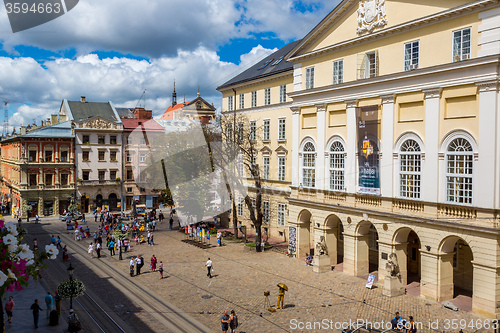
{"type": "Point", "coordinates": [413, 66]}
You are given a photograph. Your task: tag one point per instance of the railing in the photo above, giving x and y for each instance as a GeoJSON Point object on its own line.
{"type": "Point", "coordinates": [368, 200]}
{"type": "Point", "coordinates": [452, 211]}
{"type": "Point", "coordinates": [407, 205]}
{"type": "Point", "coordinates": [335, 196]}
{"type": "Point", "coordinates": [98, 182]}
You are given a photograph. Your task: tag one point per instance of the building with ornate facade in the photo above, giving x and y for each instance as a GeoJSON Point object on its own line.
{"type": "Point", "coordinates": [196, 110]}
{"type": "Point", "coordinates": [394, 113]}
{"type": "Point", "coordinates": [38, 170]}
{"type": "Point", "coordinates": [98, 150]}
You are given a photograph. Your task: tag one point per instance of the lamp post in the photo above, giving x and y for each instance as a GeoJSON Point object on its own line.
{"type": "Point", "coordinates": [70, 273]}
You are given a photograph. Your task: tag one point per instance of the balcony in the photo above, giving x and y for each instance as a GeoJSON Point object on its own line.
{"type": "Point", "coordinates": [438, 211]}
{"type": "Point", "coordinates": [98, 182]}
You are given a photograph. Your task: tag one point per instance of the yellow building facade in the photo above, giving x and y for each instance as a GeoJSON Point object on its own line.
{"type": "Point", "coordinates": [393, 145]}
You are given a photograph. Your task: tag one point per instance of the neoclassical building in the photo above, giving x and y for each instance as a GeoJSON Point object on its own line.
{"type": "Point", "coordinates": [394, 144]}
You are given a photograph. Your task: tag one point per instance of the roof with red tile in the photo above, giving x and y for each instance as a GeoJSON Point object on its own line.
{"type": "Point", "coordinates": [146, 124]}
{"type": "Point", "coordinates": [173, 108]}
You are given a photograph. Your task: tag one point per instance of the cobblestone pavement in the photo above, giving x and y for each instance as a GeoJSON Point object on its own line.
{"type": "Point", "coordinates": [242, 276]}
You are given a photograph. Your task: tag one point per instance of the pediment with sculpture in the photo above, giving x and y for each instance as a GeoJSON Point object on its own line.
{"type": "Point", "coordinates": [98, 123]}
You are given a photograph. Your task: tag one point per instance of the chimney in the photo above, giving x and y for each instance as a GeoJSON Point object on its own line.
{"type": "Point", "coordinates": [53, 119]}
{"type": "Point", "coordinates": [82, 99]}
{"type": "Point", "coordinates": [23, 130]}
{"type": "Point", "coordinates": [47, 122]}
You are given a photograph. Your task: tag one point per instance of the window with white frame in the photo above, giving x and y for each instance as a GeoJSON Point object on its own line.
{"type": "Point", "coordinates": [241, 128]}
{"type": "Point", "coordinates": [267, 96]}
{"type": "Point", "coordinates": [254, 99]}
{"type": "Point", "coordinates": [282, 129]}
{"type": "Point", "coordinates": [240, 206]}
{"type": "Point", "coordinates": [254, 203]}
{"type": "Point", "coordinates": [253, 131]}
{"type": "Point", "coordinates": [266, 167]}
{"type": "Point", "coordinates": [229, 132]}
{"type": "Point", "coordinates": [242, 101]}
{"type": "Point", "coordinates": [459, 171]}
{"type": "Point", "coordinates": [142, 157]}
{"type": "Point", "coordinates": [129, 157]}
{"type": "Point", "coordinates": [461, 44]}
{"type": "Point", "coordinates": [283, 93]}
{"type": "Point", "coordinates": [338, 71]}
{"type": "Point", "coordinates": [241, 166]}
{"type": "Point", "coordinates": [411, 55]}
{"type": "Point", "coordinates": [310, 78]}
{"type": "Point", "coordinates": [337, 166]}
{"type": "Point", "coordinates": [267, 130]}
{"type": "Point", "coordinates": [309, 165]}
{"type": "Point", "coordinates": [265, 211]}
{"type": "Point", "coordinates": [410, 168]}
{"type": "Point", "coordinates": [281, 168]}
{"type": "Point", "coordinates": [230, 103]}
{"type": "Point", "coordinates": [281, 214]}
{"type": "Point", "coordinates": [368, 65]}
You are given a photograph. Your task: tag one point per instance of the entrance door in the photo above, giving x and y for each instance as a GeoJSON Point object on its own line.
{"type": "Point", "coordinates": [413, 255]}
{"type": "Point", "coordinates": [34, 208]}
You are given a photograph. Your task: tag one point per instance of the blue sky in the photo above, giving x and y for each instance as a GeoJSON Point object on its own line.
{"type": "Point", "coordinates": [112, 50]}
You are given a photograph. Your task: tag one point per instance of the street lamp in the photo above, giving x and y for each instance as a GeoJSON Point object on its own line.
{"type": "Point", "coordinates": [70, 273]}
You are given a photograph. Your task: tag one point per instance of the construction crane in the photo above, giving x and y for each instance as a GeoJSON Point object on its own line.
{"type": "Point", "coordinates": [5, 131]}
{"type": "Point", "coordinates": [139, 101]}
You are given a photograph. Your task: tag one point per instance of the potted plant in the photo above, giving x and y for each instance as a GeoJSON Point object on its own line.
{"type": "Point", "coordinates": [118, 179]}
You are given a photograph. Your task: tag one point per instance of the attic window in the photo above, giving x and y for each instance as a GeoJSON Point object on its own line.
{"type": "Point", "coordinates": [277, 61]}
{"type": "Point", "coordinates": [265, 64]}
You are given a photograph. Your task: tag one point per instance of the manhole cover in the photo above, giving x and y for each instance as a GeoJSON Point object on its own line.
{"type": "Point", "coordinates": [206, 296]}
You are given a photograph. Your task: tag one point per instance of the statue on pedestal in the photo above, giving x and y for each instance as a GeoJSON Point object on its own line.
{"type": "Point", "coordinates": [392, 266]}
{"type": "Point", "coordinates": [321, 248]}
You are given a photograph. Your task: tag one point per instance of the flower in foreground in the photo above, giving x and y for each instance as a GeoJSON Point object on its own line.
{"type": "Point", "coordinates": [52, 251]}
{"type": "Point", "coordinates": [12, 228]}
{"type": "Point", "coordinates": [25, 253]}
{"type": "Point", "coordinates": [3, 278]}
{"type": "Point", "coordinates": [11, 275]}
{"type": "Point", "coordinates": [9, 240]}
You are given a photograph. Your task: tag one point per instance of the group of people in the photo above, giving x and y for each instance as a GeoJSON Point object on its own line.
{"type": "Point", "coordinates": [137, 264]}
{"type": "Point", "coordinates": [229, 321]}
{"type": "Point", "coordinates": [50, 303]}
{"type": "Point", "coordinates": [200, 232]}
{"type": "Point", "coordinates": [399, 324]}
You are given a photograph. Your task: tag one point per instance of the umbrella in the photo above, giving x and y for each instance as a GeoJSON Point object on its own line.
{"type": "Point", "coordinates": [283, 286]}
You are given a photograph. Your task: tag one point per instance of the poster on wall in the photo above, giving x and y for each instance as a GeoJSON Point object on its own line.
{"type": "Point", "coordinates": [368, 150]}
{"type": "Point", "coordinates": [292, 240]}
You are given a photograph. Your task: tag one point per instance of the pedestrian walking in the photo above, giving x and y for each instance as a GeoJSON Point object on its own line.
{"type": "Point", "coordinates": [233, 321]}
{"type": "Point", "coordinates": [49, 302]}
{"type": "Point", "coordinates": [36, 312]}
{"type": "Point", "coordinates": [219, 238]}
{"type": "Point", "coordinates": [91, 250]}
{"type": "Point", "coordinates": [151, 240]}
{"type": "Point", "coordinates": [131, 264]}
{"type": "Point", "coordinates": [35, 244]}
{"type": "Point", "coordinates": [153, 263]}
{"type": "Point", "coordinates": [65, 253]}
{"type": "Point", "coordinates": [138, 265]}
{"type": "Point", "coordinates": [170, 222]}
{"type": "Point", "coordinates": [154, 225]}
{"type": "Point", "coordinates": [209, 268]}
{"type": "Point", "coordinates": [58, 243]}
{"type": "Point", "coordinates": [111, 248]}
{"type": "Point", "coordinates": [160, 269]}
{"type": "Point", "coordinates": [58, 299]}
{"type": "Point", "coordinates": [53, 240]}
{"type": "Point", "coordinates": [98, 249]}
{"type": "Point", "coordinates": [73, 322]}
{"type": "Point", "coordinates": [224, 322]}
{"type": "Point", "coordinates": [37, 218]}
{"type": "Point", "coordinates": [9, 306]}
{"type": "Point", "coordinates": [412, 326]}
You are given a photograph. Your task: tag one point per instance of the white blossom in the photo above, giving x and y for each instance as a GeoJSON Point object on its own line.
{"type": "Point", "coordinates": [9, 240]}
{"type": "Point", "coordinates": [25, 253]}
{"type": "Point", "coordinates": [30, 262]}
{"type": "Point", "coordinates": [12, 228]}
{"type": "Point", "coordinates": [3, 278]}
{"type": "Point", "coordinates": [52, 251]}
{"type": "Point", "coordinates": [11, 275]}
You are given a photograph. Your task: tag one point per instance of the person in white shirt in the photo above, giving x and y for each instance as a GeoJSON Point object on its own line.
{"type": "Point", "coordinates": [91, 250]}
{"type": "Point", "coordinates": [132, 262]}
{"type": "Point", "coordinates": [98, 249]}
{"type": "Point", "coordinates": [209, 267]}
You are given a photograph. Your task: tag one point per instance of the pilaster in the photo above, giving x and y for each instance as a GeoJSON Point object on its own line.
{"type": "Point", "coordinates": [430, 170]}
{"type": "Point", "coordinates": [386, 175]}
{"type": "Point", "coordinates": [295, 145]}
{"type": "Point", "coordinates": [297, 77]}
{"type": "Point", "coordinates": [320, 146]}
{"type": "Point", "coordinates": [351, 171]}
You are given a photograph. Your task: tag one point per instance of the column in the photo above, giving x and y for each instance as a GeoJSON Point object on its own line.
{"type": "Point", "coordinates": [486, 291]}
{"type": "Point", "coordinates": [320, 146]}
{"type": "Point", "coordinates": [356, 260]}
{"type": "Point", "coordinates": [430, 170]}
{"type": "Point", "coordinates": [401, 252]}
{"type": "Point", "coordinates": [485, 187]}
{"type": "Point", "coordinates": [351, 171]}
{"type": "Point", "coordinates": [436, 278]}
{"type": "Point", "coordinates": [385, 165]}
{"type": "Point", "coordinates": [297, 77]}
{"type": "Point", "coordinates": [295, 145]}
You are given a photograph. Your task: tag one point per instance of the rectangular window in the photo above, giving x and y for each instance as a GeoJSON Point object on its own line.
{"type": "Point", "coordinates": [112, 139]}
{"type": "Point", "coordinates": [129, 157]}
{"type": "Point", "coordinates": [229, 132]}
{"type": "Point", "coordinates": [64, 179]}
{"type": "Point", "coordinates": [129, 189]}
{"type": "Point", "coordinates": [240, 206]}
{"type": "Point", "coordinates": [265, 211]}
{"type": "Point", "coordinates": [112, 175]}
{"type": "Point", "coordinates": [64, 156]}
{"type": "Point", "coordinates": [241, 166]}
{"type": "Point", "coordinates": [411, 55]}
{"type": "Point", "coordinates": [86, 139]}
{"type": "Point", "coordinates": [230, 103]}
{"type": "Point", "coordinates": [338, 71]}
{"type": "Point", "coordinates": [283, 93]}
{"type": "Point", "coordinates": [85, 155]}
{"type": "Point", "coordinates": [142, 157]}
{"type": "Point", "coordinates": [267, 96]}
{"type": "Point", "coordinates": [48, 179]}
{"type": "Point", "coordinates": [281, 214]}
{"type": "Point", "coordinates": [112, 155]}
{"type": "Point", "coordinates": [130, 174]}
{"type": "Point", "coordinates": [310, 78]}
{"type": "Point", "coordinates": [242, 101]}
{"type": "Point", "coordinates": [33, 179]}
{"type": "Point", "coordinates": [461, 44]}
{"type": "Point", "coordinates": [102, 175]}
{"type": "Point", "coordinates": [241, 128]}
{"type": "Point", "coordinates": [48, 156]}
{"type": "Point", "coordinates": [86, 175]}
{"type": "Point", "coordinates": [282, 129]}
{"type": "Point", "coordinates": [129, 140]}
{"type": "Point", "coordinates": [100, 139]}
{"type": "Point", "coordinates": [254, 99]}
{"type": "Point", "coordinates": [281, 168]}
{"type": "Point", "coordinates": [266, 167]}
{"type": "Point", "coordinates": [267, 130]}
{"type": "Point", "coordinates": [368, 65]}
{"type": "Point", "coordinates": [101, 155]}
{"type": "Point", "coordinates": [253, 131]}
{"type": "Point", "coordinates": [32, 155]}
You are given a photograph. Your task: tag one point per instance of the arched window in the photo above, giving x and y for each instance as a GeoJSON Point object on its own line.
{"type": "Point", "coordinates": [337, 165]}
{"type": "Point", "coordinates": [309, 165]}
{"type": "Point", "coordinates": [410, 167]}
{"type": "Point", "coordinates": [459, 170]}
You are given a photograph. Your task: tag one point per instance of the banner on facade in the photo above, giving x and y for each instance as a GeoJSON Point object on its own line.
{"type": "Point", "coordinates": [292, 240]}
{"type": "Point", "coordinates": [368, 150]}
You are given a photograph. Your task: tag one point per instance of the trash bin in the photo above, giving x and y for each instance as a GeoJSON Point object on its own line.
{"type": "Point", "coordinates": [53, 318]}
